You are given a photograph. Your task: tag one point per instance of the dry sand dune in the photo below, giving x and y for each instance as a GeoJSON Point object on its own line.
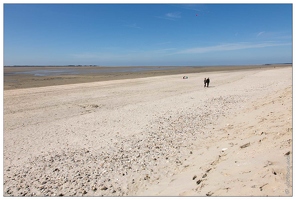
{"type": "Point", "coordinates": [155, 136]}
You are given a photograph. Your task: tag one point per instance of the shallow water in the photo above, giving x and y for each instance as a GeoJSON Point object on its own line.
{"type": "Point", "coordinates": [80, 71]}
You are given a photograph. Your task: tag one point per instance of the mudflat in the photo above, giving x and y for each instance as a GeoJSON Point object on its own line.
{"type": "Point", "coordinates": [158, 135]}
{"type": "Point", "coordinates": [28, 77]}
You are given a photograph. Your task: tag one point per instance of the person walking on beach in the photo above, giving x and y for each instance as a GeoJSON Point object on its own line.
{"type": "Point", "coordinates": [205, 82]}
{"type": "Point", "coordinates": [208, 82]}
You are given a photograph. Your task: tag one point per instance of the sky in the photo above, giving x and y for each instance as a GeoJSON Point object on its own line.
{"type": "Point", "coordinates": [170, 34]}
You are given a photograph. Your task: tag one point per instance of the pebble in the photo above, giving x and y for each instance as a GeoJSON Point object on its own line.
{"type": "Point", "coordinates": [156, 150]}
{"type": "Point", "coordinates": [245, 145]}
{"type": "Point", "coordinates": [104, 188]}
{"type": "Point", "coordinates": [94, 188]}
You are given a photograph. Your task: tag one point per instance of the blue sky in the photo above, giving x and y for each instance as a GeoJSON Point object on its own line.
{"type": "Point", "coordinates": [147, 34]}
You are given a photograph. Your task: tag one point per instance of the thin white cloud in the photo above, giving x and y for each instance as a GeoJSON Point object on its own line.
{"type": "Point", "coordinates": [130, 24]}
{"type": "Point", "coordinates": [171, 16]}
{"type": "Point", "coordinates": [198, 8]}
{"type": "Point", "coordinates": [260, 33]}
{"type": "Point", "coordinates": [156, 53]}
{"type": "Point", "coordinates": [230, 47]}
{"type": "Point", "coordinates": [279, 35]}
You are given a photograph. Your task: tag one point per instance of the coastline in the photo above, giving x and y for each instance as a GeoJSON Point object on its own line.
{"type": "Point", "coordinates": [22, 77]}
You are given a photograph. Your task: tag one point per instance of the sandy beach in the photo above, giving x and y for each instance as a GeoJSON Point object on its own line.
{"type": "Point", "coordinates": [150, 135]}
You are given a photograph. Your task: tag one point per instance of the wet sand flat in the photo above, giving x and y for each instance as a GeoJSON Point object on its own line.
{"type": "Point", "coordinates": [27, 77]}
{"type": "Point", "coordinates": [151, 135]}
